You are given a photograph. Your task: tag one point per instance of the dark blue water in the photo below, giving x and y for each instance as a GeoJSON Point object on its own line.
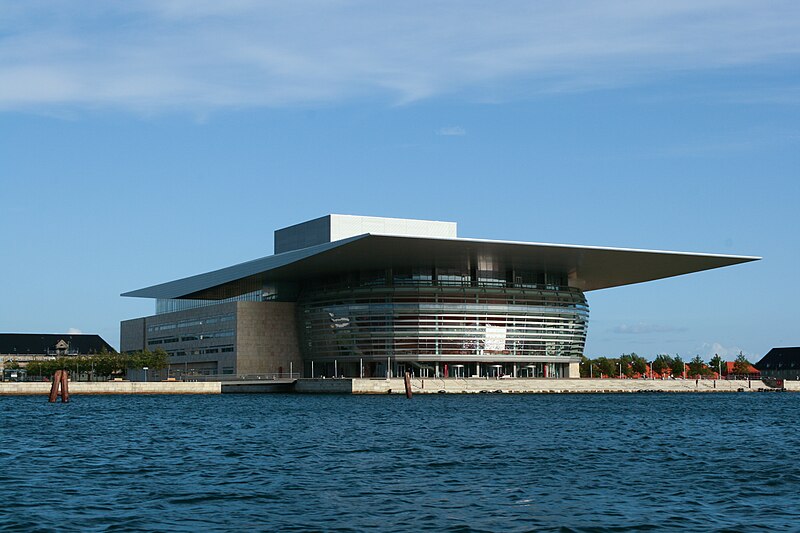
{"type": "Point", "coordinates": [434, 463]}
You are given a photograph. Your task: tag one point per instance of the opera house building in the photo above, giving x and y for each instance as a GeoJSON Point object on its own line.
{"type": "Point", "coordinates": [375, 297]}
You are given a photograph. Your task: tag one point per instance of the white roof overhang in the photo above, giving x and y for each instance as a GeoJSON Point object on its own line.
{"type": "Point", "coordinates": [589, 267]}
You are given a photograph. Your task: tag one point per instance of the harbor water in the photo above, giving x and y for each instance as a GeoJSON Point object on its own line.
{"type": "Point", "coordinates": [488, 462]}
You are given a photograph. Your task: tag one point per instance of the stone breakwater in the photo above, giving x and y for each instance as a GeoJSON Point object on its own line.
{"type": "Point", "coordinates": [530, 386]}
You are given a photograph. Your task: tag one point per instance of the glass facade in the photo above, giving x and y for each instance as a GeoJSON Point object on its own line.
{"type": "Point", "coordinates": [483, 320]}
{"type": "Point", "coordinates": [458, 317]}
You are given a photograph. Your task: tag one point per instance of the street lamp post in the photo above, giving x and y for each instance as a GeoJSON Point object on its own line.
{"type": "Point", "coordinates": [620, 370]}
{"type": "Point", "coordinates": [145, 368]}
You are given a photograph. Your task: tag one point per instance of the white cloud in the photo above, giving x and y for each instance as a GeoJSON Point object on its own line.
{"type": "Point", "coordinates": [450, 131]}
{"type": "Point", "coordinates": [644, 329]}
{"type": "Point", "coordinates": [74, 331]}
{"type": "Point", "coordinates": [195, 55]}
{"type": "Point", "coordinates": [728, 353]}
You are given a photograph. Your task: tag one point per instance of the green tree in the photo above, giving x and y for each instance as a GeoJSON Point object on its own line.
{"type": "Point", "coordinates": [49, 367]}
{"type": "Point", "coordinates": [638, 364]}
{"type": "Point", "coordinates": [159, 359]}
{"type": "Point", "coordinates": [44, 368]}
{"type": "Point", "coordinates": [716, 364]}
{"type": "Point", "coordinates": [606, 366]}
{"type": "Point", "coordinates": [595, 371]}
{"type": "Point", "coordinates": [697, 367]}
{"type": "Point", "coordinates": [626, 365]}
{"type": "Point", "coordinates": [677, 366]}
{"type": "Point", "coordinates": [741, 366]}
{"type": "Point", "coordinates": [632, 364]}
{"type": "Point", "coordinates": [589, 368]}
{"type": "Point", "coordinates": [106, 364]}
{"type": "Point", "coordinates": [34, 368]}
{"type": "Point", "coordinates": [586, 367]}
{"type": "Point", "coordinates": [137, 360]}
{"type": "Point", "coordinates": [662, 364]}
{"type": "Point", "coordinates": [81, 364]}
{"type": "Point", "coordinates": [152, 360]}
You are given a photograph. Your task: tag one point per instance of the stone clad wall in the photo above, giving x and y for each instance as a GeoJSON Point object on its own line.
{"type": "Point", "coordinates": [132, 335]}
{"type": "Point", "coordinates": [266, 338]}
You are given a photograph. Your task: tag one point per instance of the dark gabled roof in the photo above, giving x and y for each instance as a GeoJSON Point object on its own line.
{"type": "Point", "coordinates": [590, 267]}
{"type": "Point", "coordinates": [39, 343]}
{"type": "Point", "coordinates": [780, 358]}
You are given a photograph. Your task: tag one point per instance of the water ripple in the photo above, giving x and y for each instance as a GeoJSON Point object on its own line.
{"type": "Point", "coordinates": [506, 463]}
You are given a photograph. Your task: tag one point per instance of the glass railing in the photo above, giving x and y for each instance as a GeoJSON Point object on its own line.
{"type": "Point", "coordinates": [414, 283]}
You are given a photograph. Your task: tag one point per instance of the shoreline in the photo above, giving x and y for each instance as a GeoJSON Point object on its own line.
{"type": "Point", "coordinates": [396, 386]}
{"type": "Point", "coordinates": [532, 386]}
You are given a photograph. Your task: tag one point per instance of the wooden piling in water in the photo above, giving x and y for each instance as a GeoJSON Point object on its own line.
{"type": "Point", "coordinates": [408, 384]}
{"type": "Point", "coordinates": [60, 381]}
{"type": "Point", "coordinates": [54, 386]}
{"type": "Point", "coordinates": [64, 386]}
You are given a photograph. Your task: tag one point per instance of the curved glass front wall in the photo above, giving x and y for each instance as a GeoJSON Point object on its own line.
{"type": "Point", "coordinates": [429, 321]}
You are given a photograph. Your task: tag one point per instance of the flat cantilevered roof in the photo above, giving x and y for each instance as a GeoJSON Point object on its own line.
{"type": "Point", "coordinates": [589, 267]}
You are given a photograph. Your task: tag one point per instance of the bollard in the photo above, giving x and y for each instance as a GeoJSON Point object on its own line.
{"type": "Point", "coordinates": [55, 385]}
{"type": "Point", "coordinates": [64, 386]}
{"type": "Point", "coordinates": [408, 385]}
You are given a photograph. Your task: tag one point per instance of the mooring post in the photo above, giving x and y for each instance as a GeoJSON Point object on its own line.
{"type": "Point", "coordinates": [54, 386]}
{"type": "Point", "coordinates": [408, 384]}
{"type": "Point", "coordinates": [64, 386]}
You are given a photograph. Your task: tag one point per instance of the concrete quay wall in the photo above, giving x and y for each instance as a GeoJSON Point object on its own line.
{"type": "Point", "coordinates": [42, 388]}
{"type": "Point", "coordinates": [330, 386]}
{"type": "Point", "coordinates": [397, 386]}
{"type": "Point", "coordinates": [437, 386]}
{"type": "Point", "coordinates": [792, 385]}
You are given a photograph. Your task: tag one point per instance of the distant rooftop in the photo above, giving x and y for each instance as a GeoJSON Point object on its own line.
{"type": "Point", "coordinates": [42, 343]}
{"type": "Point", "coordinates": [780, 359]}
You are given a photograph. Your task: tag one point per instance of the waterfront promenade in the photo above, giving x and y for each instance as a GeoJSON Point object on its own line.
{"type": "Point", "coordinates": [396, 386]}
{"type": "Point", "coordinates": [113, 387]}
{"type": "Point", "coordinates": [531, 386]}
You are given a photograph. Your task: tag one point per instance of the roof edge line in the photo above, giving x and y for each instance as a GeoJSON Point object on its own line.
{"type": "Point", "coordinates": [574, 246]}
{"type": "Point", "coordinates": [327, 246]}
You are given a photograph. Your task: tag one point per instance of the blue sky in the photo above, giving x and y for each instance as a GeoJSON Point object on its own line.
{"type": "Point", "coordinates": [142, 142]}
